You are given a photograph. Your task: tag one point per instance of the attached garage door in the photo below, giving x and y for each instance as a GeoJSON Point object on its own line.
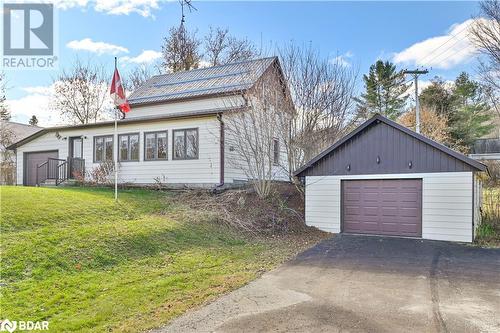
{"type": "Point", "coordinates": [382, 207]}
{"type": "Point", "coordinates": [30, 162]}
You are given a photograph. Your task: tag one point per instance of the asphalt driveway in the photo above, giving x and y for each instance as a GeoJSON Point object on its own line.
{"type": "Point", "coordinates": [361, 284]}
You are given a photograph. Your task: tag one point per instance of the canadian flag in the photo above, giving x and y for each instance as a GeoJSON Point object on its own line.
{"type": "Point", "coordinates": [118, 94]}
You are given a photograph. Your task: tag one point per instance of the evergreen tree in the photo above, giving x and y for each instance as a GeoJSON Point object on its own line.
{"type": "Point", "coordinates": [33, 121]}
{"type": "Point", "coordinates": [471, 115]}
{"type": "Point", "coordinates": [437, 97]}
{"type": "Point", "coordinates": [385, 91]}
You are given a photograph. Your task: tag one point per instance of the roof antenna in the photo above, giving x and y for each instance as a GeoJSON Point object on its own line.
{"type": "Point", "coordinates": [189, 6]}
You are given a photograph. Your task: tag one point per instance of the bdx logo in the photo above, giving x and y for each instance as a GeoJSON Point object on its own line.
{"type": "Point", "coordinates": [28, 29]}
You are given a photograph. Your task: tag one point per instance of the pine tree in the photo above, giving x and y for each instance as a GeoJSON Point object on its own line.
{"type": "Point", "coordinates": [385, 91]}
{"type": "Point", "coordinates": [437, 97]}
{"type": "Point", "coordinates": [471, 116]}
{"type": "Point", "coordinates": [33, 121]}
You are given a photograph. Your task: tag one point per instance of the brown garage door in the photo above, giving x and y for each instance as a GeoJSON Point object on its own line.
{"type": "Point", "coordinates": [382, 207]}
{"type": "Point", "coordinates": [30, 162]}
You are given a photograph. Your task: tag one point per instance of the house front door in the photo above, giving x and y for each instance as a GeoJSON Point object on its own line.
{"type": "Point", "coordinates": [75, 160]}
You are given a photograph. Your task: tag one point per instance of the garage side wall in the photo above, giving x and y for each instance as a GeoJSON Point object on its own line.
{"type": "Point", "coordinates": [446, 203]}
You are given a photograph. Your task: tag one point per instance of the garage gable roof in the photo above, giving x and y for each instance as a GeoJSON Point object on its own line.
{"type": "Point", "coordinates": [380, 119]}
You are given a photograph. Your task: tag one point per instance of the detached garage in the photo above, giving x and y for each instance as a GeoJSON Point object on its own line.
{"type": "Point", "coordinates": [384, 179]}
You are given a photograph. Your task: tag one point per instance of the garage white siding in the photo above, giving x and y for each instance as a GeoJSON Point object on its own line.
{"type": "Point", "coordinates": [446, 203]}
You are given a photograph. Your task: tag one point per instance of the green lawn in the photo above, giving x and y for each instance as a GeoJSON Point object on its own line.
{"type": "Point", "coordinates": [75, 258]}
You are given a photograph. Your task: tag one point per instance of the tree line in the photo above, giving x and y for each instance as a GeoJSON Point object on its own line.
{"type": "Point", "coordinates": [322, 91]}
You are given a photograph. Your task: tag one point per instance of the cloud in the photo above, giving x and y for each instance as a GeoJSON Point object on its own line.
{"type": "Point", "coordinates": [204, 64]}
{"type": "Point", "coordinates": [146, 57]}
{"type": "Point", "coordinates": [35, 103]}
{"type": "Point", "coordinates": [89, 45]}
{"type": "Point", "coordinates": [445, 51]}
{"type": "Point", "coordinates": [126, 7]}
{"type": "Point", "coordinates": [342, 59]}
{"type": "Point", "coordinates": [144, 8]}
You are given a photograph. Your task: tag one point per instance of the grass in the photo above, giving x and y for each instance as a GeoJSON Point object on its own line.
{"type": "Point", "coordinates": [77, 259]}
{"type": "Point", "coordinates": [488, 232]}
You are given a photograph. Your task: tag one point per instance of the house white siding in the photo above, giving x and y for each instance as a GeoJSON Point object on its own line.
{"type": "Point", "coordinates": [236, 166]}
{"type": "Point", "coordinates": [186, 106]}
{"type": "Point", "coordinates": [446, 203]}
{"type": "Point", "coordinates": [204, 170]}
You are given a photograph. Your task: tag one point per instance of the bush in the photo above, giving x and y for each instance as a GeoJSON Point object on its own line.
{"type": "Point", "coordinates": [492, 177]}
{"type": "Point", "coordinates": [489, 229]}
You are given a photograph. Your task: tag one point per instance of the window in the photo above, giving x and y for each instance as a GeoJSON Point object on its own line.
{"type": "Point", "coordinates": [276, 151]}
{"type": "Point", "coordinates": [155, 146]}
{"type": "Point", "coordinates": [129, 147]}
{"type": "Point", "coordinates": [103, 148]}
{"type": "Point", "coordinates": [185, 144]}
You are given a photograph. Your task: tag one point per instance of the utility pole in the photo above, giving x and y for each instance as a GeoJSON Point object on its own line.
{"type": "Point", "coordinates": [415, 74]}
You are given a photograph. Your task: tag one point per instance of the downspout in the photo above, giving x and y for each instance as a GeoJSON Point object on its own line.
{"type": "Point", "coordinates": [222, 149]}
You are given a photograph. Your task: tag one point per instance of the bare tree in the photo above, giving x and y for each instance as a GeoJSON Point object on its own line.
{"type": "Point", "coordinates": [485, 34]}
{"type": "Point", "coordinates": [322, 92]}
{"type": "Point", "coordinates": [259, 133]}
{"type": "Point", "coordinates": [4, 111]}
{"type": "Point", "coordinates": [7, 157]}
{"type": "Point", "coordinates": [434, 125]}
{"type": "Point", "coordinates": [222, 48]}
{"type": "Point", "coordinates": [140, 74]}
{"type": "Point", "coordinates": [181, 50]}
{"type": "Point", "coordinates": [80, 94]}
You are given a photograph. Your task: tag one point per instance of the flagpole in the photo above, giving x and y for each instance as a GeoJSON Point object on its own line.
{"type": "Point", "coordinates": [116, 150]}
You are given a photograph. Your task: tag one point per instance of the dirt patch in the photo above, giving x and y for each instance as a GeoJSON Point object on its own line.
{"type": "Point", "coordinates": [278, 217]}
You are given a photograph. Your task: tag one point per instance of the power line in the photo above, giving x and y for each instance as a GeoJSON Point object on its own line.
{"type": "Point", "coordinates": [450, 39]}
{"type": "Point", "coordinates": [415, 74]}
{"type": "Point", "coordinates": [446, 50]}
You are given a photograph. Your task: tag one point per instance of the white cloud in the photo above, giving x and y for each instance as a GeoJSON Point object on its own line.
{"type": "Point", "coordinates": [89, 45]}
{"type": "Point", "coordinates": [125, 7]}
{"type": "Point", "coordinates": [443, 51]}
{"type": "Point", "coordinates": [204, 64]}
{"type": "Point", "coordinates": [38, 102]}
{"type": "Point", "coordinates": [343, 59]}
{"type": "Point", "coordinates": [146, 57]}
{"type": "Point", "coordinates": [35, 103]}
{"type": "Point", "coordinates": [113, 7]}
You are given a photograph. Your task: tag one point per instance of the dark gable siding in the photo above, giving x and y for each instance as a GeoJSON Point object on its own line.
{"type": "Point", "coordinates": [395, 149]}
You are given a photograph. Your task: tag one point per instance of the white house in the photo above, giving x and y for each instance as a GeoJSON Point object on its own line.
{"type": "Point", "coordinates": [175, 133]}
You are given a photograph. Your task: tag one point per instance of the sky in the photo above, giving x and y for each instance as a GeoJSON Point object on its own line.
{"type": "Point", "coordinates": [416, 34]}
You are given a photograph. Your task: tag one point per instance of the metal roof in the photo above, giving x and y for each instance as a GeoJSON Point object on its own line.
{"type": "Point", "coordinates": [20, 131]}
{"type": "Point", "coordinates": [223, 79]}
{"type": "Point", "coordinates": [486, 146]}
{"type": "Point", "coordinates": [379, 118]}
